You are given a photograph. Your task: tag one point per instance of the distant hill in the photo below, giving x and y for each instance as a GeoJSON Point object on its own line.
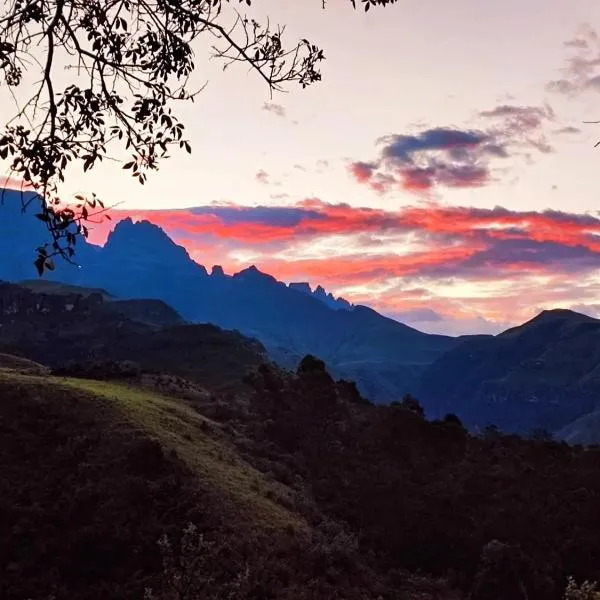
{"type": "Point", "coordinates": [544, 373]}
{"type": "Point", "coordinates": [139, 260]}
{"type": "Point", "coordinates": [584, 430]}
{"type": "Point", "coordinates": [61, 329]}
{"type": "Point", "coordinates": [45, 286]}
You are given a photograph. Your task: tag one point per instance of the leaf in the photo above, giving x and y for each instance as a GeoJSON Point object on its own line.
{"type": "Point", "coordinates": [39, 265]}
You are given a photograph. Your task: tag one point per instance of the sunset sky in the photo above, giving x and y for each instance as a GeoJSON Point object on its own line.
{"type": "Point", "coordinates": [441, 172]}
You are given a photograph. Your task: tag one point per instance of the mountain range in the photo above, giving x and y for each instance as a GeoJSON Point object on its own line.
{"type": "Point", "coordinates": [542, 374]}
{"type": "Point", "coordinates": [139, 260]}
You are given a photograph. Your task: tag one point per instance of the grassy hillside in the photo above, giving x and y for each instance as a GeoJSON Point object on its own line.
{"type": "Point", "coordinates": [94, 472]}
{"type": "Point", "coordinates": [18, 364]}
{"type": "Point", "coordinates": [199, 442]}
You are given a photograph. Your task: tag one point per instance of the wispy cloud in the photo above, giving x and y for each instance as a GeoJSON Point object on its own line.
{"type": "Point", "coordinates": [262, 176]}
{"type": "Point", "coordinates": [581, 71]}
{"type": "Point", "coordinates": [276, 109]}
{"type": "Point", "coordinates": [568, 130]}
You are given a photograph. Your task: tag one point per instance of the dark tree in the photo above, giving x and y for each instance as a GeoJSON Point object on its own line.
{"type": "Point", "coordinates": [452, 419]}
{"type": "Point", "coordinates": [501, 574]}
{"type": "Point", "coordinates": [311, 364]}
{"type": "Point", "coordinates": [413, 405]}
{"type": "Point", "coordinates": [130, 61]}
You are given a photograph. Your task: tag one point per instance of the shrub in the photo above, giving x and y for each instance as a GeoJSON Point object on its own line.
{"type": "Point", "coordinates": [585, 591]}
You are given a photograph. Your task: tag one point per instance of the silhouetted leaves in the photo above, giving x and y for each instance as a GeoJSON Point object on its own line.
{"type": "Point", "coordinates": [131, 61]}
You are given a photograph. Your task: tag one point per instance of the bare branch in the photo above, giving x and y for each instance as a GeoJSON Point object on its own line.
{"type": "Point", "coordinates": [132, 61]}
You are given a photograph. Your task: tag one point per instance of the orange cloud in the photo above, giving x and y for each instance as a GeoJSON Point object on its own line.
{"type": "Point", "coordinates": [313, 219]}
{"type": "Point", "coordinates": [359, 251]}
{"type": "Point", "coordinates": [357, 269]}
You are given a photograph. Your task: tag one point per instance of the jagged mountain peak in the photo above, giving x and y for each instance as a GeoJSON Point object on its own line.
{"type": "Point", "coordinates": [143, 229]}
{"type": "Point", "coordinates": [253, 273]}
{"type": "Point", "coordinates": [320, 294]}
{"type": "Point", "coordinates": [144, 242]}
{"type": "Point", "coordinates": [217, 271]}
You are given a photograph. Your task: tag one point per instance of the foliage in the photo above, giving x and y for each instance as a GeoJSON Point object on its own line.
{"type": "Point", "coordinates": [428, 496]}
{"type": "Point", "coordinates": [94, 473]}
{"type": "Point", "coordinates": [584, 591]}
{"type": "Point", "coordinates": [187, 570]}
{"type": "Point", "coordinates": [130, 61]}
{"type": "Point", "coordinates": [410, 404]}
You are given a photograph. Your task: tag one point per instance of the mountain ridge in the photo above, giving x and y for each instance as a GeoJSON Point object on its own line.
{"type": "Point", "coordinates": [528, 376]}
{"type": "Point", "coordinates": [139, 260]}
{"type": "Point", "coordinates": [544, 373]}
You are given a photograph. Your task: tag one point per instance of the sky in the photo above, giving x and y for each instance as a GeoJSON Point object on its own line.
{"type": "Point", "coordinates": [441, 172]}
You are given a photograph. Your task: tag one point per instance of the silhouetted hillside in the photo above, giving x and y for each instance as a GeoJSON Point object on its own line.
{"type": "Point", "coordinates": [61, 329]}
{"type": "Point", "coordinates": [542, 374]}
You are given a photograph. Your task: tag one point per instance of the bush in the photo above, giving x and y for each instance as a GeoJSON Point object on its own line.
{"type": "Point", "coordinates": [585, 591]}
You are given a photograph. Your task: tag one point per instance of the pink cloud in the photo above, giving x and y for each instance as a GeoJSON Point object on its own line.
{"type": "Point", "coordinates": [262, 176]}
{"type": "Point", "coordinates": [412, 248]}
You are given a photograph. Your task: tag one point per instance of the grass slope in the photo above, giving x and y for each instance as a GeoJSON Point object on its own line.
{"type": "Point", "coordinates": [18, 364]}
{"type": "Point", "coordinates": [93, 473]}
{"type": "Point", "coordinates": [181, 429]}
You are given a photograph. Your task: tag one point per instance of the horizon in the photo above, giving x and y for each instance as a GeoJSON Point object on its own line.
{"type": "Point", "coordinates": [463, 206]}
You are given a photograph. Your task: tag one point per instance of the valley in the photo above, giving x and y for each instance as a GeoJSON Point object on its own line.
{"type": "Point", "coordinates": [299, 479]}
{"type": "Point", "coordinates": [296, 486]}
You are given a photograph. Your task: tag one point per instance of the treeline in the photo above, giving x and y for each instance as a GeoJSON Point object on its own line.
{"type": "Point", "coordinates": [429, 496]}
